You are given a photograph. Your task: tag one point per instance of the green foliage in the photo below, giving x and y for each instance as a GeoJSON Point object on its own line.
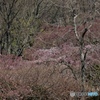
{"type": "Point", "coordinates": [22, 32]}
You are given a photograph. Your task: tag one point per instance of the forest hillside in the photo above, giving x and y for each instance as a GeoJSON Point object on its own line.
{"type": "Point", "coordinates": [49, 48]}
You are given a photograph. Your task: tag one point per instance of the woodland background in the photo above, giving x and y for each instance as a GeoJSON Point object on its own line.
{"type": "Point", "coordinates": [40, 43]}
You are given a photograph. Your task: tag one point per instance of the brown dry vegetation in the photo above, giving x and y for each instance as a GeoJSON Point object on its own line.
{"type": "Point", "coordinates": [40, 82]}
{"type": "Point", "coordinates": [46, 81]}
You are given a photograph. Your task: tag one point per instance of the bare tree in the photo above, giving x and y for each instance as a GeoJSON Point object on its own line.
{"type": "Point", "coordinates": [82, 14]}
{"type": "Point", "coordinates": [8, 12]}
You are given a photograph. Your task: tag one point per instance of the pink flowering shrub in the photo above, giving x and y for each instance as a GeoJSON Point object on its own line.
{"type": "Point", "coordinates": [42, 73]}
{"type": "Point", "coordinates": [10, 62]}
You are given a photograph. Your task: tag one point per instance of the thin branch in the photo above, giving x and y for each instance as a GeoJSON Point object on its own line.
{"type": "Point", "coordinates": [75, 27]}
{"type": "Point", "coordinates": [69, 67]}
{"type": "Point", "coordinates": [85, 30]}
